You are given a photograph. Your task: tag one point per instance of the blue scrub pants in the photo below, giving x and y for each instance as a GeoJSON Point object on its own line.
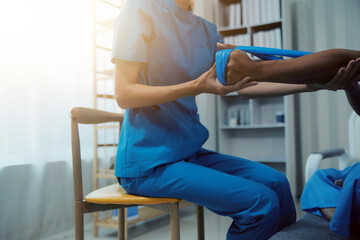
{"type": "Point", "coordinates": [255, 196]}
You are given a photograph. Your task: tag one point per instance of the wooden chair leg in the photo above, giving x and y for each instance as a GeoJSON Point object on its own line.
{"type": "Point", "coordinates": [121, 224]}
{"type": "Point", "coordinates": [174, 221]}
{"type": "Point", "coordinates": [200, 222]}
{"type": "Point", "coordinates": [79, 221]}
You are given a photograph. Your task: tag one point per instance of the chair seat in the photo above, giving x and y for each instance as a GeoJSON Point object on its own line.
{"type": "Point", "coordinates": [115, 194]}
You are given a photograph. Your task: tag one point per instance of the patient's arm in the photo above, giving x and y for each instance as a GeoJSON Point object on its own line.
{"type": "Point", "coordinates": [313, 68]}
{"type": "Point", "coordinates": [343, 79]}
{"type": "Point", "coordinates": [318, 67]}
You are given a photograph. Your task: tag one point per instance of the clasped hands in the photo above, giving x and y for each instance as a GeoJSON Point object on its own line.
{"type": "Point", "coordinates": [237, 68]}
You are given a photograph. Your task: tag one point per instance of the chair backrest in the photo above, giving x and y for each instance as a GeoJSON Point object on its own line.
{"type": "Point", "coordinates": [354, 137]}
{"type": "Point", "coordinates": [85, 116]}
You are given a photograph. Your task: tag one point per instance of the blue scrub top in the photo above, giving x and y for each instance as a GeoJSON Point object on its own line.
{"type": "Point", "coordinates": [176, 46]}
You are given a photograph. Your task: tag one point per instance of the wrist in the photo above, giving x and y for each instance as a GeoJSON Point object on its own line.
{"type": "Point", "coordinates": [258, 71]}
{"type": "Point", "coordinates": [197, 86]}
{"type": "Point", "coordinates": [310, 87]}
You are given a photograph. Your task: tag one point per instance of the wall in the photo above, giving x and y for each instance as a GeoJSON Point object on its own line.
{"type": "Point", "coordinates": [319, 25]}
{"type": "Point", "coordinates": [207, 102]}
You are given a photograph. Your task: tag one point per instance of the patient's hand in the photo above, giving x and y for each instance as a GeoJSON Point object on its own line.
{"type": "Point", "coordinates": [239, 65]}
{"type": "Point", "coordinates": [208, 83]}
{"type": "Point", "coordinates": [343, 79]}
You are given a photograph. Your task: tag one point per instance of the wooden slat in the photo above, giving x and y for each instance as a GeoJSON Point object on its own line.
{"type": "Point", "coordinates": [108, 96]}
{"type": "Point", "coordinates": [107, 126]}
{"type": "Point", "coordinates": [110, 3]}
{"type": "Point", "coordinates": [103, 48]}
{"type": "Point", "coordinates": [109, 72]}
{"type": "Point", "coordinates": [105, 175]}
{"type": "Point", "coordinates": [145, 213]}
{"type": "Point", "coordinates": [107, 145]}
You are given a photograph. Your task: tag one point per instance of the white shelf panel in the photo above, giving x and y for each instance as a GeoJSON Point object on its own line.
{"type": "Point", "coordinates": [258, 126]}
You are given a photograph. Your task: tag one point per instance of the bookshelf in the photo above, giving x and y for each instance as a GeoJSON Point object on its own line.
{"type": "Point", "coordinates": [261, 130]}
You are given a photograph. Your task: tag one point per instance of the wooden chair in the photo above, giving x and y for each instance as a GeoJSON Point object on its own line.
{"type": "Point", "coordinates": [113, 196]}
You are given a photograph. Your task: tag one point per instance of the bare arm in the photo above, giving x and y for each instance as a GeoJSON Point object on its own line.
{"type": "Point", "coordinates": [318, 67]}
{"type": "Point", "coordinates": [130, 94]}
{"type": "Point", "coordinates": [267, 89]}
{"type": "Point", "coordinates": [343, 79]}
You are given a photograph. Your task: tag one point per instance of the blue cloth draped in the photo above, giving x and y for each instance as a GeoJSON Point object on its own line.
{"type": "Point", "coordinates": [321, 192]}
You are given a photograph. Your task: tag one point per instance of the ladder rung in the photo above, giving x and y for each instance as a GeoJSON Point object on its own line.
{"type": "Point", "coordinates": [109, 3]}
{"type": "Point", "coordinates": [109, 96]}
{"type": "Point", "coordinates": [109, 72]}
{"type": "Point", "coordinates": [103, 48]}
{"type": "Point", "coordinates": [107, 126]}
{"type": "Point", "coordinates": [107, 145]}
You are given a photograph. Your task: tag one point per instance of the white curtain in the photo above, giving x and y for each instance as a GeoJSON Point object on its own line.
{"type": "Point", "coordinates": [46, 68]}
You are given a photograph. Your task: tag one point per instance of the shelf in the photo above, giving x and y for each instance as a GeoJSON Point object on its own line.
{"type": "Point", "coordinates": [145, 213]}
{"type": "Point", "coordinates": [230, 1]}
{"type": "Point", "coordinates": [233, 30]}
{"type": "Point", "coordinates": [256, 27]}
{"type": "Point", "coordinates": [258, 126]}
{"type": "Point", "coordinates": [266, 26]}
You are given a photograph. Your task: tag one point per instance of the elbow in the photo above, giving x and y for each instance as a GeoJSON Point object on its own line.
{"type": "Point", "coordinates": [122, 101]}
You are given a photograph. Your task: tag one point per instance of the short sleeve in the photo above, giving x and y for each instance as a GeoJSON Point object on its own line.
{"type": "Point", "coordinates": [132, 33]}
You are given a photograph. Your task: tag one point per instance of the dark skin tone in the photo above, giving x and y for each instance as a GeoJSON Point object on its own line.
{"type": "Point", "coordinates": [318, 67]}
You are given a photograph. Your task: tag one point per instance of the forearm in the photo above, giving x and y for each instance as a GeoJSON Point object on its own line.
{"type": "Point", "coordinates": [318, 67]}
{"type": "Point", "coordinates": [139, 95]}
{"type": "Point", "coordinates": [267, 89]}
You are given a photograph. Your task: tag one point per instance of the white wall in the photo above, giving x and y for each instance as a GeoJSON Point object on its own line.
{"type": "Point", "coordinates": [207, 102]}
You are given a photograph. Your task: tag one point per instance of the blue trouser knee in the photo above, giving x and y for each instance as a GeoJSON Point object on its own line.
{"type": "Point", "coordinates": [255, 196]}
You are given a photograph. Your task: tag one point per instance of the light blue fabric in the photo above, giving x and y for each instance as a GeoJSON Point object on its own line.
{"type": "Point", "coordinates": [255, 196]}
{"type": "Point", "coordinates": [321, 192]}
{"type": "Point", "coordinates": [175, 47]}
{"type": "Point", "coordinates": [222, 57]}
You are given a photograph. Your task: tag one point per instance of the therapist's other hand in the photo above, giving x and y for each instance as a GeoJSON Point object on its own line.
{"type": "Point", "coordinates": [208, 83]}
{"type": "Point", "coordinates": [223, 46]}
{"type": "Point", "coordinates": [238, 66]}
{"type": "Point", "coordinates": [344, 78]}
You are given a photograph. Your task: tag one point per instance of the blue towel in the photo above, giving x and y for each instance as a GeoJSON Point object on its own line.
{"type": "Point", "coordinates": [321, 192]}
{"type": "Point", "coordinates": [222, 57]}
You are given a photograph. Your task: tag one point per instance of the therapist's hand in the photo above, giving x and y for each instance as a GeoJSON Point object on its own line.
{"type": "Point", "coordinates": [344, 78]}
{"type": "Point", "coordinates": [208, 83]}
{"type": "Point", "coordinates": [223, 46]}
{"type": "Point", "coordinates": [238, 66]}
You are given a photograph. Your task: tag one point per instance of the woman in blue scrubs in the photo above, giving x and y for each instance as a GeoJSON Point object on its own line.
{"type": "Point", "coordinates": [161, 51]}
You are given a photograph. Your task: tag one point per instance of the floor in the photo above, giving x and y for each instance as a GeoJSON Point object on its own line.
{"type": "Point", "coordinates": [158, 229]}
